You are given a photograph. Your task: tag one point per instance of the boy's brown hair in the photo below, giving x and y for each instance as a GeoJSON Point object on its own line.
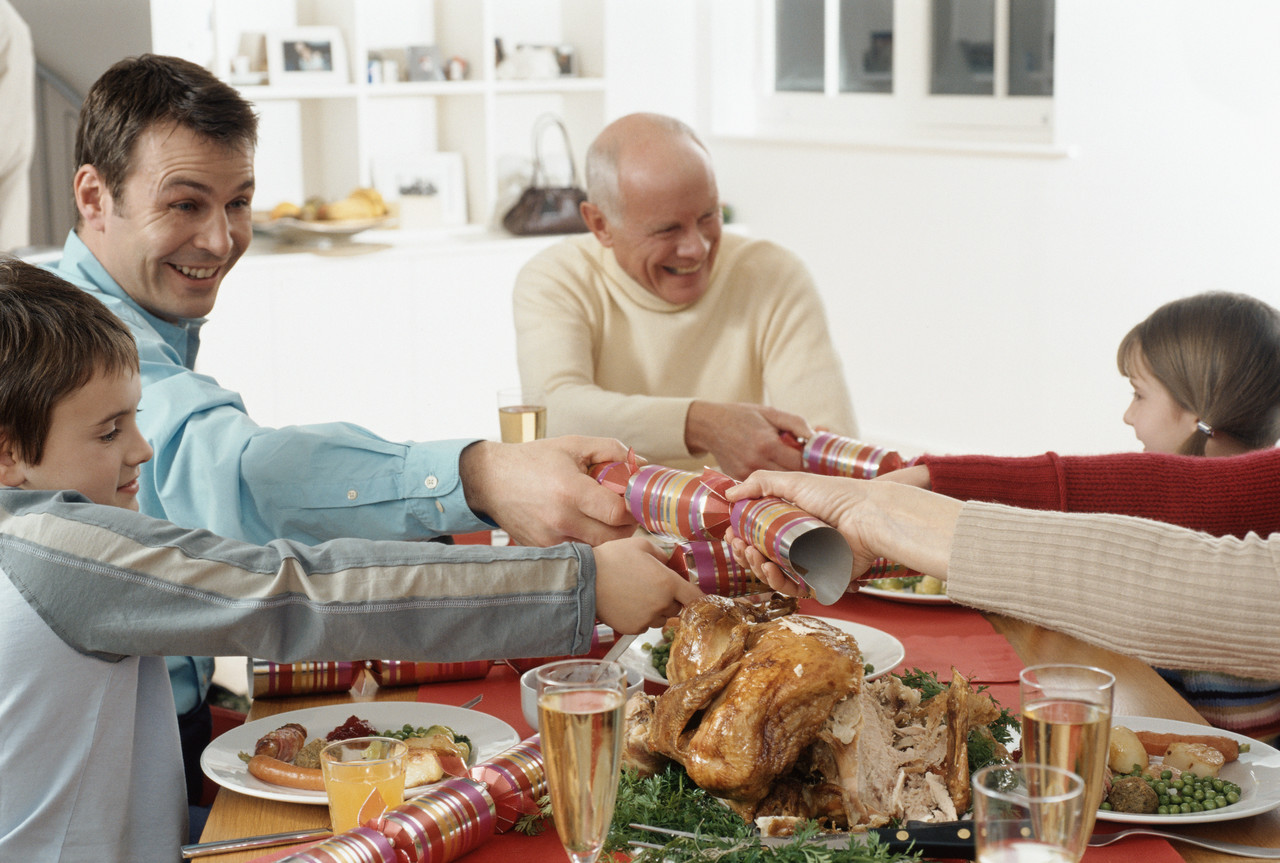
{"type": "Point", "coordinates": [53, 339]}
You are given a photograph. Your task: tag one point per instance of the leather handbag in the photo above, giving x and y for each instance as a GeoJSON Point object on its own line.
{"type": "Point", "coordinates": [543, 208]}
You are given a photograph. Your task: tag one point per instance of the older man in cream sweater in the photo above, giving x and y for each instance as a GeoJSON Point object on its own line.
{"type": "Point", "coordinates": [694, 346]}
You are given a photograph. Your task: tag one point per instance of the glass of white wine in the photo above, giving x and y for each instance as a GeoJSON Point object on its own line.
{"type": "Point", "coordinates": [522, 414]}
{"type": "Point", "coordinates": [580, 705]}
{"type": "Point", "coordinates": [1066, 722]}
{"type": "Point", "coordinates": [1028, 813]}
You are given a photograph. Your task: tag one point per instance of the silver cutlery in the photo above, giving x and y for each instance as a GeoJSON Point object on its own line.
{"type": "Point", "coordinates": [471, 703]}
{"type": "Point", "coordinates": [1239, 850]}
{"type": "Point", "coordinates": [225, 846]}
{"type": "Point", "coordinates": [951, 839]}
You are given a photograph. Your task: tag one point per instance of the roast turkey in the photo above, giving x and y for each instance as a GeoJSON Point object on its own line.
{"type": "Point", "coordinates": [769, 710]}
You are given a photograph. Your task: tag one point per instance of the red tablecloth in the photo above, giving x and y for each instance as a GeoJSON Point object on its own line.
{"type": "Point", "coordinates": [935, 637]}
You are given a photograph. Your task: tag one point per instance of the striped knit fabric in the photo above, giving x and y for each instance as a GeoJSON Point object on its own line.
{"type": "Point", "coordinates": [1244, 705]}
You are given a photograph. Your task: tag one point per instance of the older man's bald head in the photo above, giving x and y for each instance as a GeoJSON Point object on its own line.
{"type": "Point", "coordinates": [640, 142]}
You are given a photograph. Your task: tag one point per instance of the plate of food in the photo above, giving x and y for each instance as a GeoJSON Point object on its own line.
{"type": "Point", "coordinates": [922, 589]}
{"type": "Point", "coordinates": [223, 763]}
{"type": "Point", "coordinates": [880, 650]}
{"type": "Point", "coordinates": [1255, 770]}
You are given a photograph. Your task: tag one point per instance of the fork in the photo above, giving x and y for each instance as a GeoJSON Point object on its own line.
{"type": "Point", "coordinates": [1099, 839]}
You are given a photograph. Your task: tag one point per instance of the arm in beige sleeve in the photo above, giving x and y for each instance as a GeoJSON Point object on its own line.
{"type": "Point", "coordinates": [1133, 586]}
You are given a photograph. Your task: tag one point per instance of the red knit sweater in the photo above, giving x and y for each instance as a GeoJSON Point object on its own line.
{"type": "Point", "coordinates": [1222, 496]}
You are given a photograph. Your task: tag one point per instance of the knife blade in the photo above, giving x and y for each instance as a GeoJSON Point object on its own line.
{"type": "Point", "coordinates": [619, 647]}
{"type": "Point", "coordinates": [224, 846]}
{"type": "Point", "coordinates": [951, 839]}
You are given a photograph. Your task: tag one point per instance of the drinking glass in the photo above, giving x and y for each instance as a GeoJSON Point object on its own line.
{"type": "Point", "coordinates": [363, 777]}
{"type": "Point", "coordinates": [522, 414]}
{"type": "Point", "coordinates": [1028, 813]}
{"type": "Point", "coordinates": [1066, 722]}
{"type": "Point", "coordinates": [580, 720]}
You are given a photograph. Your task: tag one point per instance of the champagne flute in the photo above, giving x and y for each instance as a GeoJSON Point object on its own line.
{"type": "Point", "coordinates": [1066, 722]}
{"type": "Point", "coordinates": [1028, 813]}
{"type": "Point", "coordinates": [522, 414]}
{"type": "Point", "coordinates": [580, 719]}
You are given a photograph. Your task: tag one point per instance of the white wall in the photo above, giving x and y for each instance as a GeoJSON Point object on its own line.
{"type": "Point", "coordinates": [978, 300]}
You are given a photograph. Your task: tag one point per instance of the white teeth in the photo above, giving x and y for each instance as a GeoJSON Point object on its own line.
{"type": "Point", "coordinates": [196, 272]}
{"type": "Point", "coordinates": [686, 271]}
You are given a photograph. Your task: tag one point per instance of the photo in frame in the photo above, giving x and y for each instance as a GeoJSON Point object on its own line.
{"type": "Point", "coordinates": [427, 190]}
{"type": "Point", "coordinates": [307, 55]}
{"type": "Point", "coordinates": [425, 63]}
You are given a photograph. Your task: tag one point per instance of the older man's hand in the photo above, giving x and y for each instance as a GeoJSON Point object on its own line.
{"type": "Point", "coordinates": [540, 492]}
{"type": "Point", "coordinates": [744, 437]}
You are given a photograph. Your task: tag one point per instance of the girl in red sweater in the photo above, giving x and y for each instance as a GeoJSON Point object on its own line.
{"type": "Point", "coordinates": [1206, 381]}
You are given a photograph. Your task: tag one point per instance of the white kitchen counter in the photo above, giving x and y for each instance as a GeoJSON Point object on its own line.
{"type": "Point", "coordinates": [407, 334]}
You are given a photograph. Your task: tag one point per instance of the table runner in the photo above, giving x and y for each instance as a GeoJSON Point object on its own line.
{"type": "Point", "coordinates": [935, 638]}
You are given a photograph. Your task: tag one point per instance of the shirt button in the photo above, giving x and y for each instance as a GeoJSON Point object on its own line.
{"type": "Point", "coordinates": [352, 494]}
{"type": "Point", "coordinates": [431, 482]}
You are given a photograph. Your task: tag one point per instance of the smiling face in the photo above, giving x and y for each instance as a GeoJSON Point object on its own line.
{"type": "Point", "coordinates": [668, 228]}
{"type": "Point", "coordinates": [94, 445]}
{"type": "Point", "coordinates": [1160, 423]}
{"type": "Point", "coordinates": [180, 223]}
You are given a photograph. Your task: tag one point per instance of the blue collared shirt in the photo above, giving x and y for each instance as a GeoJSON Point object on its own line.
{"type": "Point", "coordinates": [215, 468]}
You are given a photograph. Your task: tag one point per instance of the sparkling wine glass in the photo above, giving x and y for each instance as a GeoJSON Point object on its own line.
{"type": "Point", "coordinates": [580, 719]}
{"type": "Point", "coordinates": [1028, 813]}
{"type": "Point", "coordinates": [1066, 722]}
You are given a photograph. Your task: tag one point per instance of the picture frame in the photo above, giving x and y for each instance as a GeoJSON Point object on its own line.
{"type": "Point", "coordinates": [307, 55]}
{"type": "Point", "coordinates": [425, 63]}
{"type": "Point", "coordinates": [426, 190]}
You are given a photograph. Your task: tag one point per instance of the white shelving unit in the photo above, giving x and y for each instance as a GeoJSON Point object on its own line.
{"type": "Point", "coordinates": [326, 139]}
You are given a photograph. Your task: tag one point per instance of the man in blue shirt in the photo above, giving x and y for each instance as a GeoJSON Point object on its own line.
{"type": "Point", "coordinates": [164, 190]}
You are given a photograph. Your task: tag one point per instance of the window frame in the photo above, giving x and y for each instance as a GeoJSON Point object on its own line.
{"type": "Point", "coordinates": [908, 115]}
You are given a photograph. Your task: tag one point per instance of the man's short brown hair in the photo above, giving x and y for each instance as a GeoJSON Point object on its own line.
{"type": "Point", "coordinates": [54, 338]}
{"type": "Point", "coordinates": [139, 92]}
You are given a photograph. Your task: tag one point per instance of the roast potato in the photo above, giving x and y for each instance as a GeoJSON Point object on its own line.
{"type": "Point", "coordinates": [1125, 751]}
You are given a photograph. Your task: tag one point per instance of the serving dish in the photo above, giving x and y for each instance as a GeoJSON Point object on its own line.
{"type": "Point", "coordinates": [880, 649]}
{"type": "Point", "coordinates": [1256, 771]}
{"type": "Point", "coordinates": [221, 759]}
{"type": "Point", "coordinates": [290, 230]}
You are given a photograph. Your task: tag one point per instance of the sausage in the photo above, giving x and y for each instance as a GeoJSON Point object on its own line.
{"type": "Point", "coordinates": [1156, 743]}
{"type": "Point", "coordinates": [283, 743]}
{"type": "Point", "coordinates": [276, 772]}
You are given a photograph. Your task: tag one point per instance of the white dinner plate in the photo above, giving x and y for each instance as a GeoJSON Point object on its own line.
{"type": "Point", "coordinates": [905, 595]}
{"type": "Point", "coordinates": [1257, 772]}
{"type": "Point", "coordinates": [221, 759]}
{"type": "Point", "coordinates": [880, 649]}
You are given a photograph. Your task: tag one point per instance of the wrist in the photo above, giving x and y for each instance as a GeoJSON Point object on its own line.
{"type": "Point", "coordinates": [696, 424]}
{"type": "Point", "coordinates": [473, 468]}
{"type": "Point", "coordinates": [911, 526]}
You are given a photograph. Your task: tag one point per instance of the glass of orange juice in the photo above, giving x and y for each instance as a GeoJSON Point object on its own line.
{"type": "Point", "coordinates": [363, 777]}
